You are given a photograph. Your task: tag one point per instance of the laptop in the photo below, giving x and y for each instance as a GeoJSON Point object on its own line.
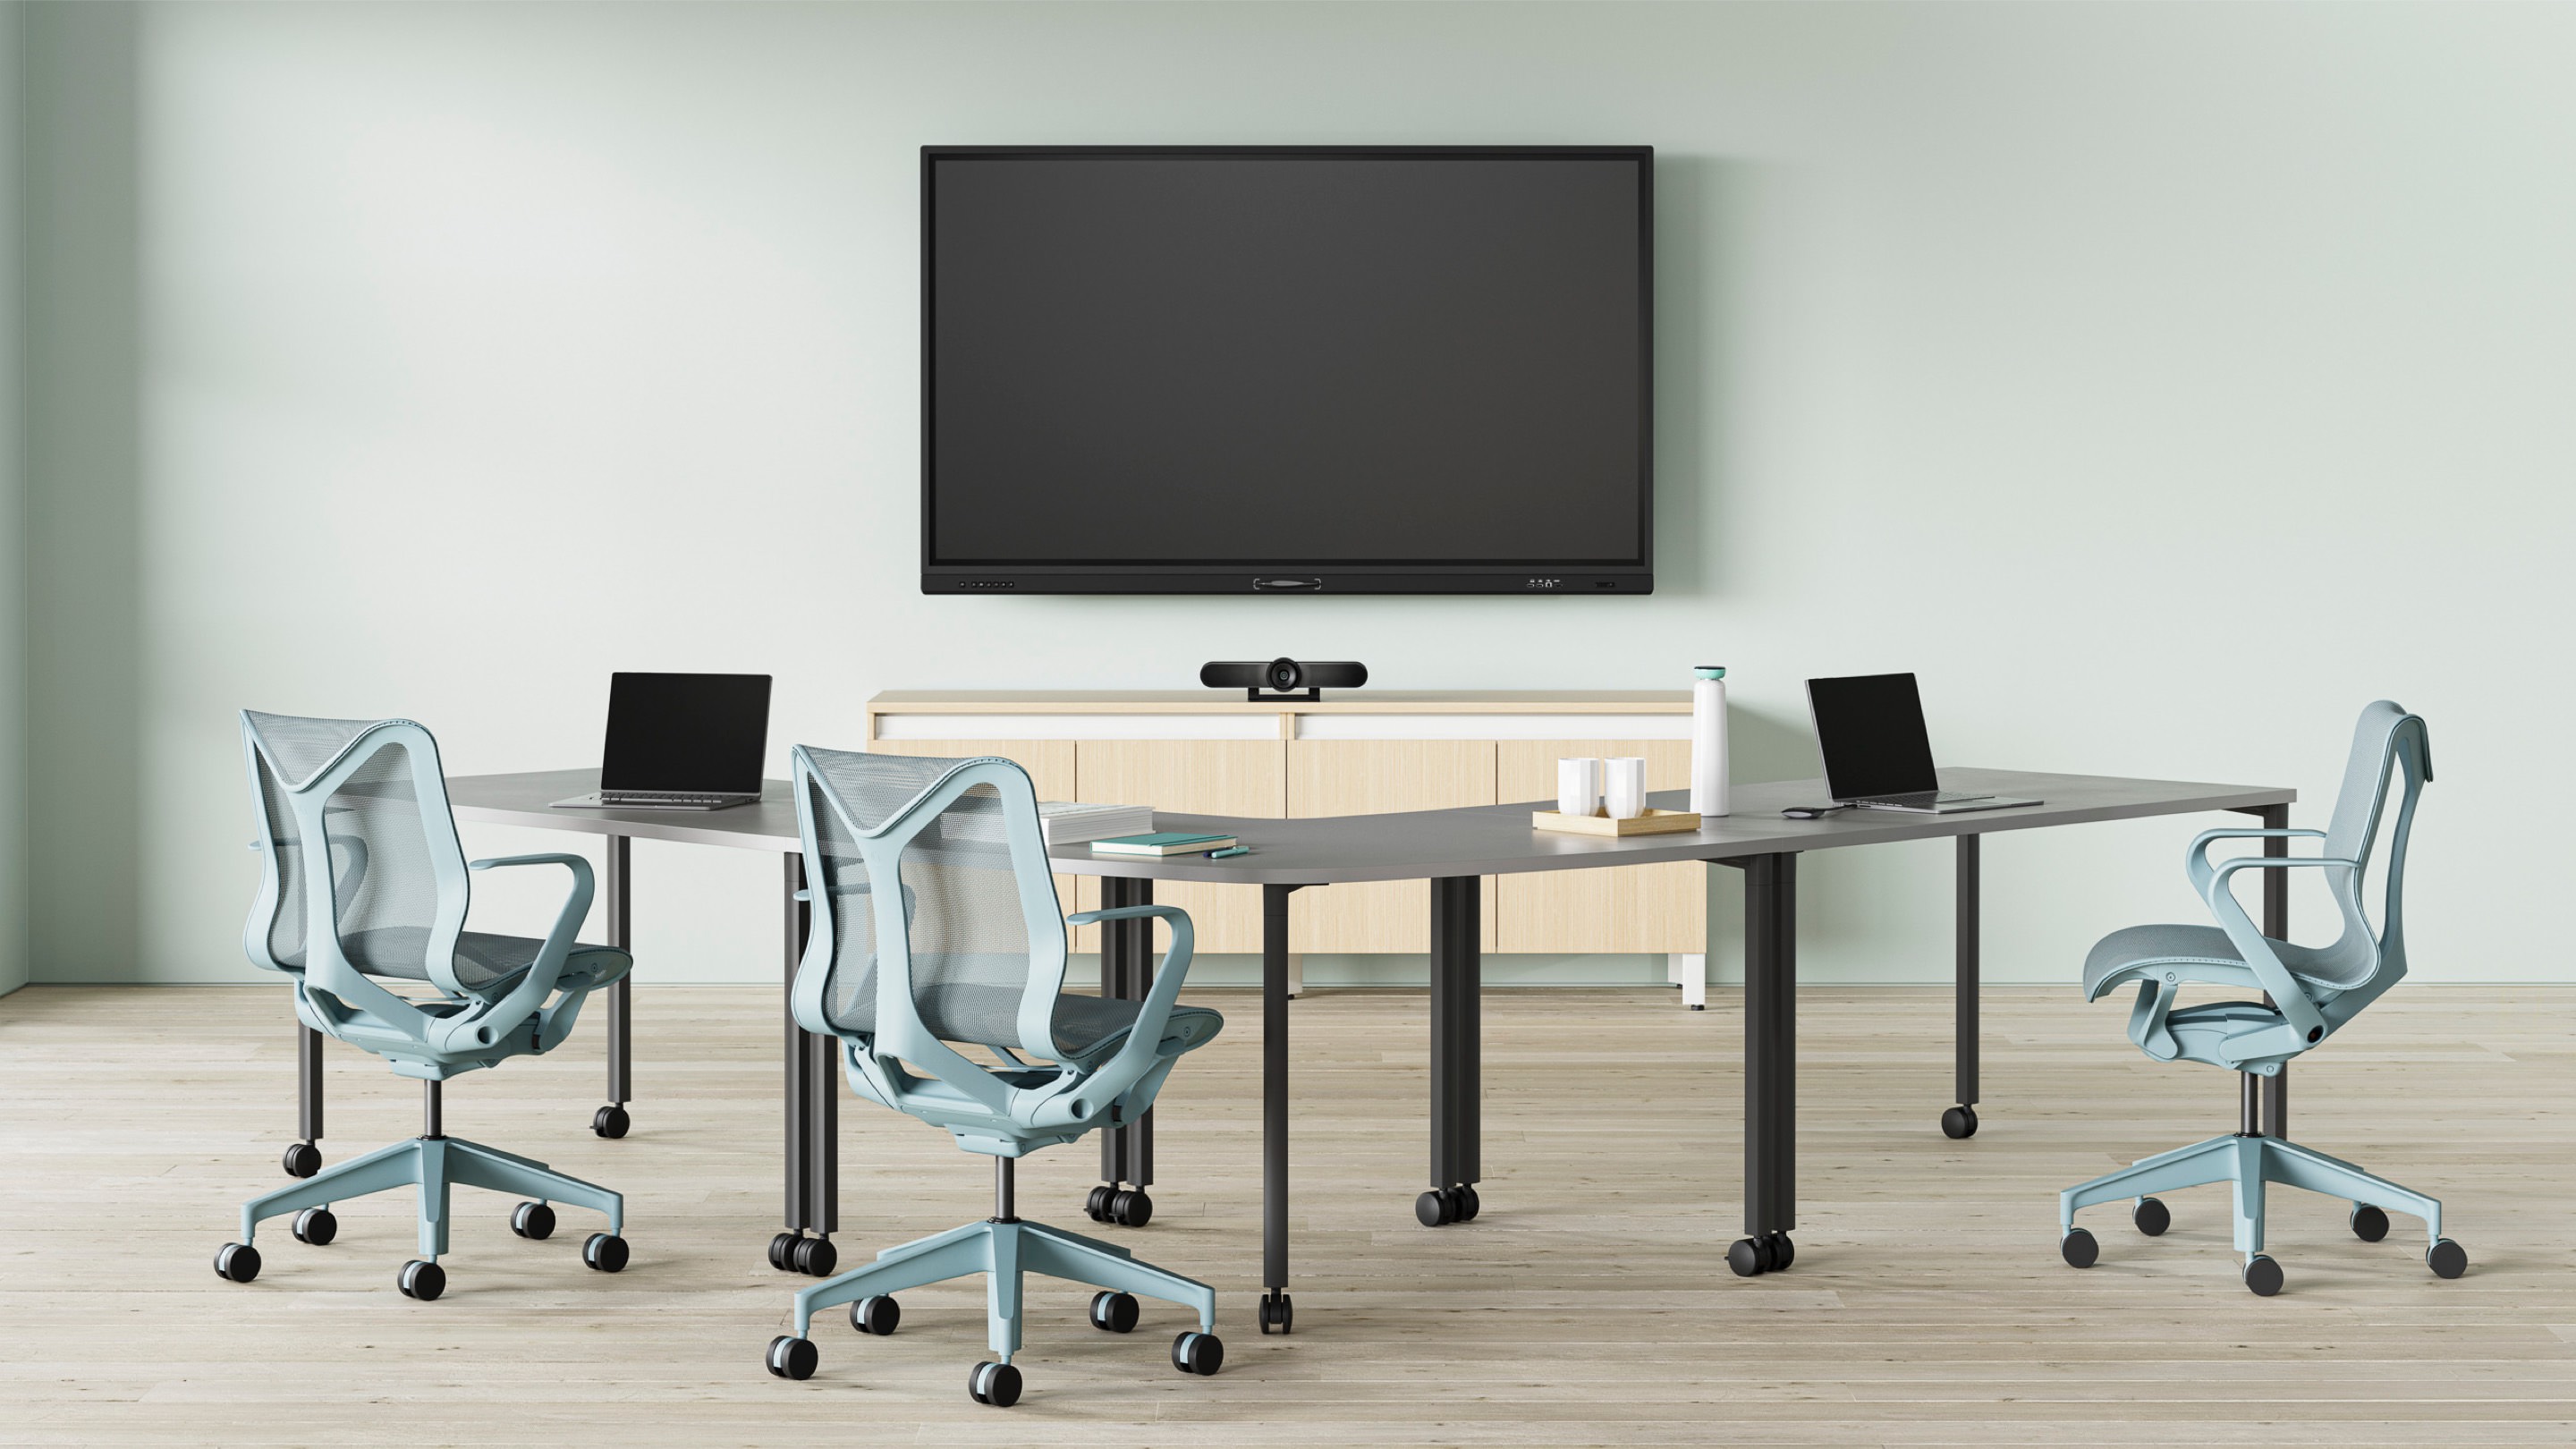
{"type": "Point", "coordinates": [1878, 756]}
{"type": "Point", "coordinates": [681, 742]}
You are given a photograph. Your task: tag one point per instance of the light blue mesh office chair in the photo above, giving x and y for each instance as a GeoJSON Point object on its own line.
{"type": "Point", "coordinates": [362, 880]}
{"type": "Point", "coordinates": [935, 921]}
{"type": "Point", "coordinates": [2309, 994]}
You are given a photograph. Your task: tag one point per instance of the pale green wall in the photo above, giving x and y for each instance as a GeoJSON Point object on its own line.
{"type": "Point", "coordinates": [13, 527]}
{"type": "Point", "coordinates": [2162, 382]}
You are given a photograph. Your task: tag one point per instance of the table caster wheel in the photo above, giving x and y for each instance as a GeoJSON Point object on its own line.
{"type": "Point", "coordinates": [1444, 1205]}
{"type": "Point", "coordinates": [1749, 1257]}
{"type": "Point", "coordinates": [1198, 1353]}
{"type": "Point", "coordinates": [2078, 1249]}
{"type": "Point", "coordinates": [1782, 1251]}
{"type": "Point", "coordinates": [1131, 1208]}
{"type": "Point", "coordinates": [1096, 1206]}
{"type": "Point", "coordinates": [316, 1225]}
{"type": "Point", "coordinates": [2447, 1259]}
{"type": "Point", "coordinates": [605, 1252]}
{"type": "Point", "coordinates": [2263, 1276]}
{"type": "Point", "coordinates": [2368, 1223]}
{"type": "Point", "coordinates": [782, 1252]}
{"type": "Point", "coordinates": [1113, 1312]}
{"type": "Point", "coordinates": [1959, 1123]}
{"type": "Point", "coordinates": [302, 1160]}
{"type": "Point", "coordinates": [610, 1121]}
{"type": "Point", "coordinates": [792, 1358]}
{"type": "Point", "coordinates": [237, 1262]}
{"type": "Point", "coordinates": [2152, 1217]}
{"type": "Point", "coordinates": [997, 1384]}
{"type": "Point", "coordinates": [1278, 1311]}
{"type": "Point", "coordinates": [421, 1279]}
{"type": "Point", "coordinates": [814, 1257]}
{"type": "Point", "coordinates": [876, 1314]}
{"type": "Point", "coordinates": [533, 1220]}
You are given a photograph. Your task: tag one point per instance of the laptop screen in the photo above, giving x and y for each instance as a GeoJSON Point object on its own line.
{"type": "Point", "coordinates": [1870, 728]}
{"type": "Point", "coordinates": [686, 732]}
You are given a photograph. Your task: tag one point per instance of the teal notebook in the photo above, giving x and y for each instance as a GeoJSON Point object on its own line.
{"type": "Point", "coordinates": [1161, 842]}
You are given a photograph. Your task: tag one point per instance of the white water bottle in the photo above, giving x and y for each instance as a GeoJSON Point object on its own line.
{"type": "Point", "coordinates": [1708, 741]}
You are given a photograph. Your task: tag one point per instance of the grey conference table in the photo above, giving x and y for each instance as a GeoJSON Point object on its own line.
{"type": "Point", "coordinates": [1451, 849]}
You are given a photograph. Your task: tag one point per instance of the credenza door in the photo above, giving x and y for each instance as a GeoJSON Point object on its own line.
{"type": "Point", "coordinates": [1370, 777]}
{"type": "Point", "coordinates": [1649, 908]}
{"type": "Point", "coordinates": [1188, 777]}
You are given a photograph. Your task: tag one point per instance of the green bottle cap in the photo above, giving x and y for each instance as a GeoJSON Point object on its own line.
{"type": "Point", "coordinates": [1709, 671]}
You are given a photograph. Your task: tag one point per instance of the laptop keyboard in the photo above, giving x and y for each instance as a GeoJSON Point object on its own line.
{"type": "Point", "coordinates": [1921, 799]}
{"type": "Point", "coordinates": [658, 797]}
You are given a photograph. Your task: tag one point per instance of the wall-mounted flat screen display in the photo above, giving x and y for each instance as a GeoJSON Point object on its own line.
{"type": "Point", "coordinates": [1287, 370]}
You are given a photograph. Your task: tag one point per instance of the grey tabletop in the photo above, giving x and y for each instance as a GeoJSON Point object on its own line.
{"type": "Point", "coordinates": [1416, 845]}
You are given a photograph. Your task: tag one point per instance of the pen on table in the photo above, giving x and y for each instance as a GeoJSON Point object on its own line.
{"type": "Point", "coordinates": [1229, 850]}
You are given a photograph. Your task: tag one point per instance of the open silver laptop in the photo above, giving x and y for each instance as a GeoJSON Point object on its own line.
{"type": "Point", "coordinates": [681, 742]}
{"type": "Point", "coordinates": [1878, 755]}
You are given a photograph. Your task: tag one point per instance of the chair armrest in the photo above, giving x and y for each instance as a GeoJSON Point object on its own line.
{"type": "Point", "coordinates": [2214, 883]}
{"type": "Point", "coordinates": [496, 1018]}
{"type": "Point", "coordinates": [1122, 913]}
{"type": "Point", "coordinates": [1137, 1055]}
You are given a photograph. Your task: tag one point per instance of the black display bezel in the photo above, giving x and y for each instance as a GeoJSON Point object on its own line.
{"type": "Point", "coordinates": [1286, 575]}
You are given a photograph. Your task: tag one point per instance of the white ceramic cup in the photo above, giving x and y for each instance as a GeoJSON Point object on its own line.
{"type": "Point", "coordinates": [1578, 786]}
{"type": "Point", "coordinates": [1623, 786]}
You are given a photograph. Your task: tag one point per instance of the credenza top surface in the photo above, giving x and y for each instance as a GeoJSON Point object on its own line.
{"type": "Point", "coordinates": [1336, 701]}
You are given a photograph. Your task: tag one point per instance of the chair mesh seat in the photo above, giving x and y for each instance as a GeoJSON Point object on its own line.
{"type": "Point", "coordinates": [483, 959]}
{"type": "Point", "coordinates": [1085, 1028]}
{"type": "Point", "coordinates": [2193, 946]}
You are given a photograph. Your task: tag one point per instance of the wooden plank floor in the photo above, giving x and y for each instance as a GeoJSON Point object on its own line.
{"type": "Point", "coordinates": [1589, 1304]}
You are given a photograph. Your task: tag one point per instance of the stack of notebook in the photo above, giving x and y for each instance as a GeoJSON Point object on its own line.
{"type": "Point", "coordinates": [1068, 824]}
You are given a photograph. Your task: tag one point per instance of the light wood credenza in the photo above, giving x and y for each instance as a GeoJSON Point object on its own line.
{"type": "Point", "coordinates": [1354, 752]}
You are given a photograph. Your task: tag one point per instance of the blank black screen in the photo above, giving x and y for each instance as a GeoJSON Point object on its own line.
{"type": "Point", "coordinates": [1245, 359]}
{"type": "Point", "coordinates": [686, 732]}
{"type": "Point", "coordinates": [1870, 727]}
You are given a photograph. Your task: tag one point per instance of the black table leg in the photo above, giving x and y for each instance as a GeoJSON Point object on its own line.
{"type": "Point", "coordinates": [611, 1120]}
{"type": "Point", "coordinates": [812, 1115]}
{"type": "Point", "coordinates": [1770, 1065]}
{"type": "Point", "coordinates": [1277, 1310]}
{"type": "Point", "coordinates": [1126, 974]}
{"type": "Point", "coordinates": [2276, 924]}
{"type": "Point", "coordinates": [304, 1157]}
{"type": "Point", "coordinates": [1457, 1123]}
{"type": "Point", "coordinates": [1961, 1120]}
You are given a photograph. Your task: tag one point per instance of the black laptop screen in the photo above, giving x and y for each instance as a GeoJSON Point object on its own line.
{"type": "Point", "coordinates": [1870, 728]}
{"type": "Point", "coordinates": [686, 732]}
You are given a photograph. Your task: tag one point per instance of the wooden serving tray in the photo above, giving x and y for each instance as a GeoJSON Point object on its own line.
{"type": "Point", "coordinates": [1653, 822]}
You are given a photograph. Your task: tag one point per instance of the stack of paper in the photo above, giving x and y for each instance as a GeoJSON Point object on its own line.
{"type": "Point", "coordinates": [1068, 824]}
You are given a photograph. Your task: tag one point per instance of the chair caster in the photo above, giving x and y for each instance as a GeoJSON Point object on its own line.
{"type": "Point", "coordinates": [1128, 1207]}
{"type": "Point", "coordinates": [316, 1225]}
{"type": "Point", "coordinates": [533, 1220]}
{"type": "Point", "coordinates": [610, 1121]}
{"type": "Point", "coordinates": [1198, 1353]}
{"type": "Point", "coordinates": [2152, 1217]}
{"type": "Point", "coordinates": [1752, 1257]}
{"type": "Point", "coordinates": [2078, 1248]}
{"type": "Point", "coordinates": [303, 1159]}
{"type": "Point", "coordinates": [2447, 1259]}
{"type": "Point", "coordinates": [1278, 1311]}
{"type": "Point", "coordinates": [1959, 1123]}
{"type": "Point", "coordinates": [421, 1279]}
{"type": "Point", "coordinates": [2368, 1223]}
{"type": "Point", "coordinates": [792, 1358]}
{"type": "Point", "coordinates": [237, 1262]}
{"type": "Point", "coordinates": [796, 1253]}
{"type": "Point", "coordinates": [876, 1314]}
{"type": "Point", "coordinates": [1445, 1205]}
{"type": "Point", "coordinates": [604, 1252]}
{"type": "Point", "coordinates": [1115, 1313]}
{"type": "Point", "coordinates": [997, 1384]}
{"type": "Point", "coordinates": [2263, 1276]}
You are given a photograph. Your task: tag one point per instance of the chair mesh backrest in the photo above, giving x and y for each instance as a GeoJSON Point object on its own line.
{"type": "Point", "coordinates": [965, 924]}
{"type": "Point", "coordinates": [2388, 746]}
{"type": "Point", "coordinates": [383, 876]}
